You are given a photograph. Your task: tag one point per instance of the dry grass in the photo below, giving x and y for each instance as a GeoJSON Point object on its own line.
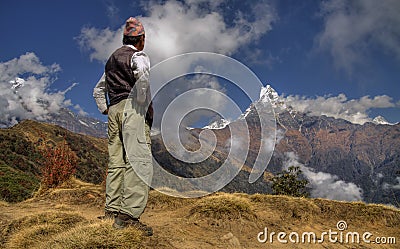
{"type": "Point", "coordinates": [160, 200]}
{"type": "Point", "coordinates": [95, 235]}
{"type": "Point", "coordinates": [29, 230]}
{"type": "Point", "coordinates": [224, 206]}
{"type": "Point", "coordinates": [4, 204]}
{"type": "Point", "coordinates": [322, 210]}
{"type": "Point", "coordinates": [183, 223]}
{"type": "Point", "coordinates": [359, 211]}
{"type": "Point", "coordinates": [73, 192]}
{"type": "Point", "coordinates": [37, 227]}
{"type": "Point", "coordinates": [66, 230]}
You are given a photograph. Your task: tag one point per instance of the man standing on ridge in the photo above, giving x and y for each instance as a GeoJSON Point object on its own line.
{"type": "Point", "coordinates": [126, 84]}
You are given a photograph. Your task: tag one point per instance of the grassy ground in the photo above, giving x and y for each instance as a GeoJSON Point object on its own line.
{"type": "Point", "coordinates": [67, 218]}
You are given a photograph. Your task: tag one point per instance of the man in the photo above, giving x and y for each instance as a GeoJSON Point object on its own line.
{"type": "Point", "coordinates": [126, 83]}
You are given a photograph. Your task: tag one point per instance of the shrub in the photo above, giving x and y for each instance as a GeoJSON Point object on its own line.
{"type": "Point", "coordinates": [59, 165]}
{"type": "Point", "coordinates": [288, 183]}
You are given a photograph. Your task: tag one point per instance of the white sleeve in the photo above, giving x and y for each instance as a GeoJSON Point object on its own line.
{"type": "Point", "coordinates": [99, 94]}
{"type": "Point", "coordinates": [140, 64]}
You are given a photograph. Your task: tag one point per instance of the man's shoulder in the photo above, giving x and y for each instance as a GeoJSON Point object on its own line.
{"type": "Point", "coordinates": [125, 49]}
{"type": "Point", "coordinates": [140, 54]}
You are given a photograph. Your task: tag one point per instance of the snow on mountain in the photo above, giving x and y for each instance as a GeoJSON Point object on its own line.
{"type": "Point", "coordinates": [17, 83]}
{"type": "Point", "coordinates": [267, 95]}
{"type": "Point", "coordinates": [245, 114]}
{"type": "Point", "coordinates": [278, 102]}
{"type": "Point", "coordinates": [217, 125]}
{"type": "Point", "coordinates": [270, 98]}
{"type": "Point", "coordinates": [281, 105]}
{"type": "Point", "coordinates": [381, 120]}
{"type": "Point", "coordinates": [80, 121]}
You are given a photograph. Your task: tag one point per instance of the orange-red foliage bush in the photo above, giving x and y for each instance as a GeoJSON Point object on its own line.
{"type": "Point", "coordinates": [59, 165]}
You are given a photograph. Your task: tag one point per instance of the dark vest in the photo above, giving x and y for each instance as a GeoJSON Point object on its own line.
{"type": "Point", "coordinates": [120, 78]}
{"type": "Point", "coordinates": [119, 75]}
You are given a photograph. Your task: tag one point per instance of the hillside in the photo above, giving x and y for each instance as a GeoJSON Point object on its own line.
{"type": "Point", "coordinates": [66, 218]}
{"type": "Point", "coordinates": [20, 157]}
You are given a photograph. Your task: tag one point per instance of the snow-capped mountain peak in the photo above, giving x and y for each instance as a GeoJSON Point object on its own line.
{"type": "Point", "coordinates": [17, 83]}
{"type": "Point", "coordinates": [267, 93]}
{"type": "Point", "coordinates": [381, 120]}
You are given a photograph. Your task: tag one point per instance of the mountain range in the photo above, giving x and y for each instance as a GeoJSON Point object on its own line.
{"type": "Point", "coordinates": [341, 160]}
{"type": "Point", "coordinates": [79, 123]}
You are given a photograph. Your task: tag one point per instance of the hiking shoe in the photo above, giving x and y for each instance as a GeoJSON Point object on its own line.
{"type": "Point", "coordinates": [122, 221]}
{"type": "Point", "coordinates": [108, 215]}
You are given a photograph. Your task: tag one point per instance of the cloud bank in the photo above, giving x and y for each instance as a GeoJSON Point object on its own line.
{"type": "Point", "coordinates": [174, 28]}
{"type": "Point", "coordinates": [199, 85]}
{"type": "Point", "coordinates": [177, 27]}
{"type": "Point", "coordinates": [325, 185]}
{"type": "Point", "coordinates": [353, 110]}
{"type": "Point", "coordinates": [352, 29]}
{"type": "Point", "coordinates": [25, 90]}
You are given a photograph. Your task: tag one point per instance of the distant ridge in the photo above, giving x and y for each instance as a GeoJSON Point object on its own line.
{"type": "Point", "coordinates": [78, 123]}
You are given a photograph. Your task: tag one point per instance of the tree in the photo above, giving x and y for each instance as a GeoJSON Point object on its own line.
{"type": "Point", "coordinates": [288, 182]}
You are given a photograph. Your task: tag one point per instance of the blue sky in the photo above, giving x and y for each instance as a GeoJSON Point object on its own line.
{"type": "Point", "coordinates": [344, 53]}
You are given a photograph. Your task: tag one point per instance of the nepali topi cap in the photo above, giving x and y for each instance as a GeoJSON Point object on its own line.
{"type": "Point", "coordinates": [133, 27]}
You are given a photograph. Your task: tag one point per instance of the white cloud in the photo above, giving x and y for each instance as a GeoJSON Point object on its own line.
{"type": "Point", "coordinates": [80, 110]}
{"type": "Point", "coordinates": [174, 28]}
{"type": "Point", "coordinates": [354, 28]}
{"type": "Point", "coordinates": [397, 186]}
{"type": "Point", "coordinates": [100, 43]}
{"type": "Point", "coordinates": [325, 185]}
{"type": "Point", "coordinates": [190, 93]}
{"type": "Point", "coordinates": [272, 140]}
{"type": "Point", "coordinates": [112, 10]}
{"type": "Point", "coordinates": [386, 185]}
{"type": "Point", "coordinates": [32, 98]}
{"type": "Point", "coordinates": [353, 110]}
{"type": "Point", "coordinates": [28, 63]}
{"type": "Point", "coordinates": [177, 27]}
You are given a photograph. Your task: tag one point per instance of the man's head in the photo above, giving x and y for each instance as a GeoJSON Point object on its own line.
{"type": "Point", "coordinates": [134, 33]}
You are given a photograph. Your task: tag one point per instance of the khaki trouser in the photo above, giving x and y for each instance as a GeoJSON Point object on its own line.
{"type": "Point", "coordinates": [130, 169]}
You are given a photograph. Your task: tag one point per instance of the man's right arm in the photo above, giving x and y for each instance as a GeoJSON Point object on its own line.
{"type": "Point", "coordinates": [99, 94]}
